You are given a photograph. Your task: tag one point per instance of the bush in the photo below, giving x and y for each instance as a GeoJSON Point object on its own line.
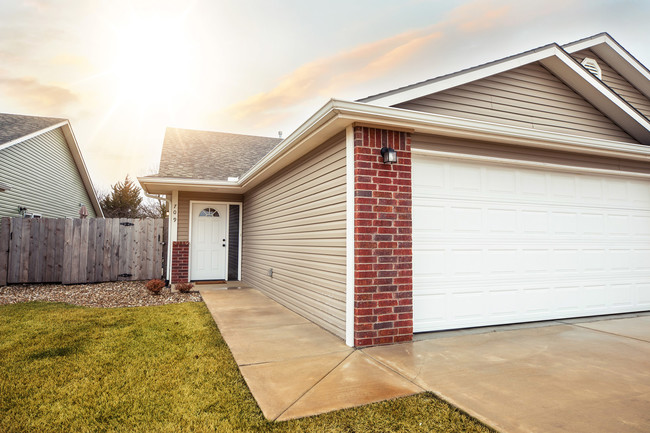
{"type": "Point", "coordinates": [184, 287]}
{"type": "Point", "coordinates": [155, 286]}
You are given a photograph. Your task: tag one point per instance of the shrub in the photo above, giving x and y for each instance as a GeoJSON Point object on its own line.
{"type": "Point", "coordinates": [184, 287]}
{"type": "Point", "coordinates": [155, 286]}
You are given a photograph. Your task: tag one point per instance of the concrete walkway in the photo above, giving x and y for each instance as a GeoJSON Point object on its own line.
{"type": "Point", "coordinates": [577, 376]}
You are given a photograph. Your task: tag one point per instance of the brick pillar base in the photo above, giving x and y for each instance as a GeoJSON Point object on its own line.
{"type": "Point", "coordinates": [180, 262]}
{"type": "Point", "coordinates": [383, 285]}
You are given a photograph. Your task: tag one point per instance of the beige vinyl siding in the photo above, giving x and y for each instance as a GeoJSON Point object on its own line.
{"type": "Point", "coordinates": [617, 83]}
{"type": "Point", "coordinates": [43, 177]}
{"type": "Point", "coordinates": [529, 97]}
{"type": "Point", "coordinates": [184, 199]}
{"type": "Point", "coordinates": [295, 224]}
{"type": "Point", "coordinates": [521, 153]}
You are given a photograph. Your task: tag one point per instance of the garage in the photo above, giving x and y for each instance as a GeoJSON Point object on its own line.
{"type": "Point", "coordinates": [498, 241]}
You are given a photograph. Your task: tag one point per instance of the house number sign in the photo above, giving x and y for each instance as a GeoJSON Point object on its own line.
{"type": "Point", "coordinates": [174, 212]}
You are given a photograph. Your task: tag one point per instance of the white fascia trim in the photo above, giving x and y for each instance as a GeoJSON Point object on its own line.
{"type": "Point", "coordinates": [642, 135]}
{"type": "Point", "coordinates": [318, 120]}
{"type": "Point", "coordinates": [461, 78]}
{"type": "Point", "coordinates": [619, 59]}
{"type": "Point", "coordinates": [349, 236]}
{"type": "Point", "coordinates": [529, 164]}
{"type": "Point", "coordinates": [604, 40]}
{"type": "Point", "coordinates": [479, 130]}
{"type": "Point", "coordinates": [417, 121]}
{"type": "Point", "coordinates": [81, 166]}
{"type": "Point", "coordinates": [32, 135]}
{"type": "Point", "coordinates": [179, 183]}
{"type": "Point", "coordinates": [585, 44]}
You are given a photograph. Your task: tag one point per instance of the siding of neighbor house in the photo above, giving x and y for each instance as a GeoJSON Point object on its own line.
{"type": "Point", "coordinates": [294, 223]}
{"type": "Point", "coordinates": [184, 199]}
{"type": "Point", "coordinates": [521, 153]}
{"type": "Point", "coordinates": [43, 177]}
{"type": "Point", "coordinates": [617, 83]}
{"type": "Point", "coordinates": [529, 97]}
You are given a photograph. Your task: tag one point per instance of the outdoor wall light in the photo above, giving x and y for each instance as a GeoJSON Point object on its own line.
{"type": "Point", "coordinates": [390, 156]}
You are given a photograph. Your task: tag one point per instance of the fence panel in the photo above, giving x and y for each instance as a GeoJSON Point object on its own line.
{"type": "Point", "coordinates": [81, 250]}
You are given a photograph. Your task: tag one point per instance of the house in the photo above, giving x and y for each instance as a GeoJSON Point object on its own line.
{"type": "Point", "coordinates": [42, 172]}
{"type": "Point", "coordinates": [520, 193]}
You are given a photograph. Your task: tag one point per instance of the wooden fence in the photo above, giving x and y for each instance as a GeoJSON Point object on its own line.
{"type": "Point", "coordinates": [71, 251]}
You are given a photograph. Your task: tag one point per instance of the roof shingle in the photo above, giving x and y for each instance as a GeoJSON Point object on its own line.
{"type": "Point", "coordinates": [192, 154]}
{"type": "Point", "coordinates": [14, 126]}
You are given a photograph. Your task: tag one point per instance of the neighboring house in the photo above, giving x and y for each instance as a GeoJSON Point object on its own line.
{"type": "Point", "coordinates": [521, 192]}
{"type": "Point", "coordinates": [42, 172]}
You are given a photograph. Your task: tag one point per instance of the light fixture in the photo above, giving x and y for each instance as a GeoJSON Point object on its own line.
{"type": "Point", "coordinates": [390, 156]}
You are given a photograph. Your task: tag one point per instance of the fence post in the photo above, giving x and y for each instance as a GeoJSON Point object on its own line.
{"type": "Point", "coordinates": [4, 249]}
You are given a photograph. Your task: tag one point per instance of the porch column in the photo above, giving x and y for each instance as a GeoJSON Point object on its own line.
{"type": "Point", "coordinates": [383, 285]}
{"type": "Point", "coordinates": [179, 252]}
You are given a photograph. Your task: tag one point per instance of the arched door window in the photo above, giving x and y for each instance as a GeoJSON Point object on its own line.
{"type": "Point", "coordinates": [209, 212]}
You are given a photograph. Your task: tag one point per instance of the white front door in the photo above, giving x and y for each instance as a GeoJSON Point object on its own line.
{"type": "Point", "coordinates": [208, 243]}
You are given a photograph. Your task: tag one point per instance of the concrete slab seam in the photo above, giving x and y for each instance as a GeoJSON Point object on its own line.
{"type": "Point", "coordinates": [609, 333]}
{"type": "Point", "coordinates": [315, 384]}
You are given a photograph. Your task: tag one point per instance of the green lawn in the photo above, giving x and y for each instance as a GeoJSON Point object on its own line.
{"type": "Point", "coordinates": [157, 369]}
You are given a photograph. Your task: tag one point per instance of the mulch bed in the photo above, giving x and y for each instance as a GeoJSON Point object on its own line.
{"type": "Point", "coordinates": [105, 295]}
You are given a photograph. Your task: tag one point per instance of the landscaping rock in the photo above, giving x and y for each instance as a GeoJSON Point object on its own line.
{"type": "Point", "coordinates": [103, 295]}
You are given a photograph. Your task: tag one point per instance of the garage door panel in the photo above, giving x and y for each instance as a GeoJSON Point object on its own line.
{"type": "Point", "coordinates": [643, 294]}
{"type": "Point", "coordinates": [504, 244]}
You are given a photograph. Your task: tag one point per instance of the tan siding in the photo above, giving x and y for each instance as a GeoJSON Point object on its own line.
{"type": "Point", "coordinates": [446, 144]}
{"type": "Point", "coordinates": [529, 97]}
{"type": "Point", "coordinates": [184, 199]}
{"type": "Point", "coordinates": [617, 83]}
{"type": "Point", "coordinates": [295, 224]}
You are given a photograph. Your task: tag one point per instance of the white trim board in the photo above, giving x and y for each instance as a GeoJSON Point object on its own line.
{"type": "Point", "coordinates": [349, 236]}
{"type": "Point", "coordinates": [531, 164]}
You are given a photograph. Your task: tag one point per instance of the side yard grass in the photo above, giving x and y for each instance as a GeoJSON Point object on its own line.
{"type": "Point", "coordinates": [157, 369]}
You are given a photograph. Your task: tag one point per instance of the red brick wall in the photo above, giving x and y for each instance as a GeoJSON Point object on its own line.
{"type": "Point", "coordinates": [180, 262]}
{"type": "Point", "coordinates": [383, 285]}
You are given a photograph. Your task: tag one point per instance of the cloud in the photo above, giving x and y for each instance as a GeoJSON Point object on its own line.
{"type": "Point", "coordinates": [36, 97]}
{"type": "Point", "coordinates": [331, 76]}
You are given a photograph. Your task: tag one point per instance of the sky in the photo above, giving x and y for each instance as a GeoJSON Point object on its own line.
{"type": "Point", "coordinates": [123, 70]}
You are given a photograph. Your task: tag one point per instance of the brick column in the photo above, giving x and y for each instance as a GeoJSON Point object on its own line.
{"type": "Point", "coordinates": [180, 262]}
{"type": "Point", "coordinates": [383, 285]}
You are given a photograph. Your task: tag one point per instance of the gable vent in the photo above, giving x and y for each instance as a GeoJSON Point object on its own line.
{"type": "Point", "coordinates": [592, 66]}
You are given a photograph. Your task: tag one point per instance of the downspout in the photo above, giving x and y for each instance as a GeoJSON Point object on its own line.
{"type": "Point", "coordinates": [169, 231]}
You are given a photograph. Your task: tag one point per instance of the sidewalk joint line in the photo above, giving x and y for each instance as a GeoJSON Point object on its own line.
{"type": "Point", "coordinates": [315, 384]}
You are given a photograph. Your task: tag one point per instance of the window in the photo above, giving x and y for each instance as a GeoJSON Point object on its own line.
{"type": "Point", "coordinates": [209, 212]}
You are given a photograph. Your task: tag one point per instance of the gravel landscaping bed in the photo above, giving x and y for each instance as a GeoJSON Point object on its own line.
{"type": "Point", "coordinates": [105, 295]}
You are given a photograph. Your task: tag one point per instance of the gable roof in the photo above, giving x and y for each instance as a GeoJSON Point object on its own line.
{"type": "Point", "coordinates": [559, 62]}
{"type": "Point", "coordinates": [17, 128]}
{"type": "Point", "coordinates": [337, 117]}
{"type": "Point", "coordinates": [193, 154]}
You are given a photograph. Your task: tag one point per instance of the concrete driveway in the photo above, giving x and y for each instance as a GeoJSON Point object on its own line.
{"type": "Point", "coordinates": [569, 376]}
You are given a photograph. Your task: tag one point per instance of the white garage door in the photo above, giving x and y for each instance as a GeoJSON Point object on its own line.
{"type": "Point", "coordinates": [496, 243]}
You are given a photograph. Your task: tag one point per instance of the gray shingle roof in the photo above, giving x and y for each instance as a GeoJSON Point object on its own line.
{"type": "Point", "coordinates": [13, 126]}
{"type": "Point", "coordinates": [207, 155]}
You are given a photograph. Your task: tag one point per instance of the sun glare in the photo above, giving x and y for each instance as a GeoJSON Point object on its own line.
{"type": "Point", "coordinates": [152, 63]}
